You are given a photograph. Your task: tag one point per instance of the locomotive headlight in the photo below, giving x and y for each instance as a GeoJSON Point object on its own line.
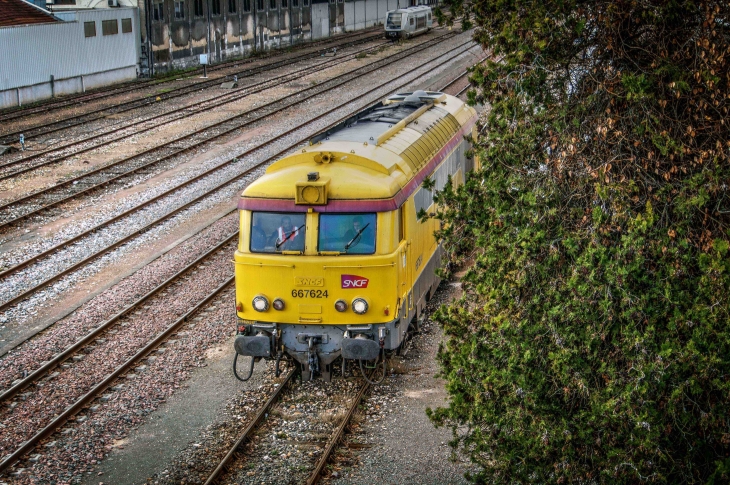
{"type": "Point", "coordinates": [341, 305]}
{"type": "Point", "coordinates": [278, 304]}
{"type": "Point", "coordinates": [260, 303]}
{"type": "Point", "coordinates": [359, 306]}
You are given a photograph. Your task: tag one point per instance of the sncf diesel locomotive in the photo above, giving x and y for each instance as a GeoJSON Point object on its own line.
{"type": "Point", "coordinates": [333, 261]}
{"type": "Point", "coordinates": [408, 22]}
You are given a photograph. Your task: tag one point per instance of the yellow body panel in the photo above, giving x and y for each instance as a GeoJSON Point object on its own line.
{"type": "Point", "coordinates": [353, 172]}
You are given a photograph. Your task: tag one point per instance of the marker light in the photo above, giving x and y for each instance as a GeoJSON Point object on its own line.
{"type": "Point", "coordinates": [278, 304]}
{"type": "Point", "coordinates": [239, 307]}
{"type": "Point", "coordinates": [359, 306]}
{"type": "Point", "coordinates": [260, 303]}
{"type": "Point", "coordinates": [341, 305]}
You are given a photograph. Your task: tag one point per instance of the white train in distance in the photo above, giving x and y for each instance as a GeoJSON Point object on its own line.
{"type": "Point", "coordinates": [408, 22]}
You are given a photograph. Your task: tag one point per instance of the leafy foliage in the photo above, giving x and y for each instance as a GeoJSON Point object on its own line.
{"type": "Point", "coordinates": [592, 343]}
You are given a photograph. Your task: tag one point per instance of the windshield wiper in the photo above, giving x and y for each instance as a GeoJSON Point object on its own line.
{"type": "Point", "coordinates": [286, 237]}
{"type": "Point", "coordinates": [347, 246]}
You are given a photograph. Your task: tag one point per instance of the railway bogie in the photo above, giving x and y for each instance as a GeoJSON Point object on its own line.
{"type": "Point", "coordinates": [333, 260]}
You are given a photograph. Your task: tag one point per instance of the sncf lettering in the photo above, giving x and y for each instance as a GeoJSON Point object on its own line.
{"type": "Point", "coordinates": [350, 281]}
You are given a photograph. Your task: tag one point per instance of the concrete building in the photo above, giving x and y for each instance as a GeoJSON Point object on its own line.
{"type": "Point", "coordinates": [64, 53]}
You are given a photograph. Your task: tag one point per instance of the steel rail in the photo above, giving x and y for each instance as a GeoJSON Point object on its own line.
{"type": "Point", "coordinates": [8, 114]}
{"type": "Point", "coordinates": [322, 462]}
{"type": "Point", "coordinates": [453, 81]}
{"type": "Point", "coordinates": [462, 90]}
{"type": "Point", "coordinates": [140, 102]}
{"type": "Point", "coordinates": [66, 354]}
{"type": "Point", "coordinates": [104, 384]}
{"type": "Point", "coordinates": [183, 112]}
{"type": "Point", "coordinates": [250, 428]}
{"type": "Point", "coordinates": [75, 180]}
{"type": "Point", "coordinates": [134, 234]}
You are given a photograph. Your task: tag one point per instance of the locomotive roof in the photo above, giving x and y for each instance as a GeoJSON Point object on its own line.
{"type": "Point", "coordinates": [416, 9]}
{"type": "Point", "coordinates": [376, 155]}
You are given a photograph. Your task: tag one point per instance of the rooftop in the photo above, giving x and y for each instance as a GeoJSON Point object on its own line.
{"type": "Point", "coordinates": [20, 12]}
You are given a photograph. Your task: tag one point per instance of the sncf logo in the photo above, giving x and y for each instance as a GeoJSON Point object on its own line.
{"type": "Point", "coordinates": [354, 281]}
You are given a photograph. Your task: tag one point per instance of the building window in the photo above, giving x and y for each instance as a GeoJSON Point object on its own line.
{"type": "Point", "coordinates": [231, 6]}
{"type": "Point", "coordinates": [272, 4]}
{"type": "Point", "coordinates": [157, 12]}
{"type": "Point", "coordinates": [89, 29]}
{"type": "Point", "coordinates": [306, 3]}
{"type": "Point", "coordinates": [294, 3]}
{"type": "Point", "coordinates": [259, 5]}
{"type": "Point", "coordinates": [109, 27]}
{"type": "Point", "coordinates": [246, 5]}
{"type": "Point", "coordinates": [126, 26]}
{"type": "Point", "coordinates": [284, 4]}
{"type": "Point", "coordinates": [215, 7]}
{"type": "Point", "coordinates": [198, 8]}
{"type": "Point", "coordinates": [179, 10]}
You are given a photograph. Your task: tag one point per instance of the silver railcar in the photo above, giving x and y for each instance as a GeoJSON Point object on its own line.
{"type": "Point", "coordinates": [408, 22]}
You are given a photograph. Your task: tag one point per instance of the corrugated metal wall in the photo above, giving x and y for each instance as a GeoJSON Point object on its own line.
{"type": "Point", "coordinates": [361, 14]}
{"type": "Point", "coordinates": [32, 54]}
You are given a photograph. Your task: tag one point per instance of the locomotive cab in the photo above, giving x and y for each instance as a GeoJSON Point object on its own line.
{"type": "Point", "coordinates": [332, 260]}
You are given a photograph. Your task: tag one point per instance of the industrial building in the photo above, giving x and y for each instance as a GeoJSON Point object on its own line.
{"type": "Point", "coordinates": [45, 54]}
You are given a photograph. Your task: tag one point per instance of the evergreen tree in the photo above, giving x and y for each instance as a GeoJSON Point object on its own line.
{"type": "Point", "coordinates": [592, 341]}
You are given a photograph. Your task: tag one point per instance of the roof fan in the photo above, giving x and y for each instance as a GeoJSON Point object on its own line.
{"type": "Point", "coordinates": [417, 96]}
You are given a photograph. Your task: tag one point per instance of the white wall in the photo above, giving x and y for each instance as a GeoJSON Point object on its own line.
{"type": "Point", "coordinates": [31, 54]}
{"type": "Point", "coordinates": [361, 14]}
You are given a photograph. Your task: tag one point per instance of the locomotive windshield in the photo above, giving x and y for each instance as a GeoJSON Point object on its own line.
{"type": "Point", "coordinates": [274, 232]}
{"type": "Point", "coordinates": [394, 21]}
{"type": "Point", "coordinates": [347, 233]}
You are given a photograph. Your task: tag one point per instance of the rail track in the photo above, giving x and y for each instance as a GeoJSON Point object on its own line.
{"type": "Point", "coordinates": [233, 455]}
{"type": "Point", "coordinates": [94, 336]}
{"type": "Point", "coordinates": [104, 112]}
{"type": "Point", "coordinates": [9, 114]}
{"type": "Point", "coordinates": [119, 132]}
{"type": "Point", "coordinates": [72, 188]}
{"type": "Point", "coordinates": [253, 424]}
{"type": "Point", "coordinates": [136, 232]}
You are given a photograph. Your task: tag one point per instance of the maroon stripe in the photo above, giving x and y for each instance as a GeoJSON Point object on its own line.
{"type": "Point", "coordinates": [360, 205]}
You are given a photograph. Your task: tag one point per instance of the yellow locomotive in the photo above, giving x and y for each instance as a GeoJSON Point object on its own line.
{"type": "Point", "coordinates": [332, 259]}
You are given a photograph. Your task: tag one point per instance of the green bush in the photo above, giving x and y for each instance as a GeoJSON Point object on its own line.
{"type": "Point", "coordinates": [592, 342]}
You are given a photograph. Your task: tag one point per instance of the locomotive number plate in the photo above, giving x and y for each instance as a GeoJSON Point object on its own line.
{"type": "Point", "coordinates": [308, 281]}
{"type": "Point", "coordinates": [309, 293]}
